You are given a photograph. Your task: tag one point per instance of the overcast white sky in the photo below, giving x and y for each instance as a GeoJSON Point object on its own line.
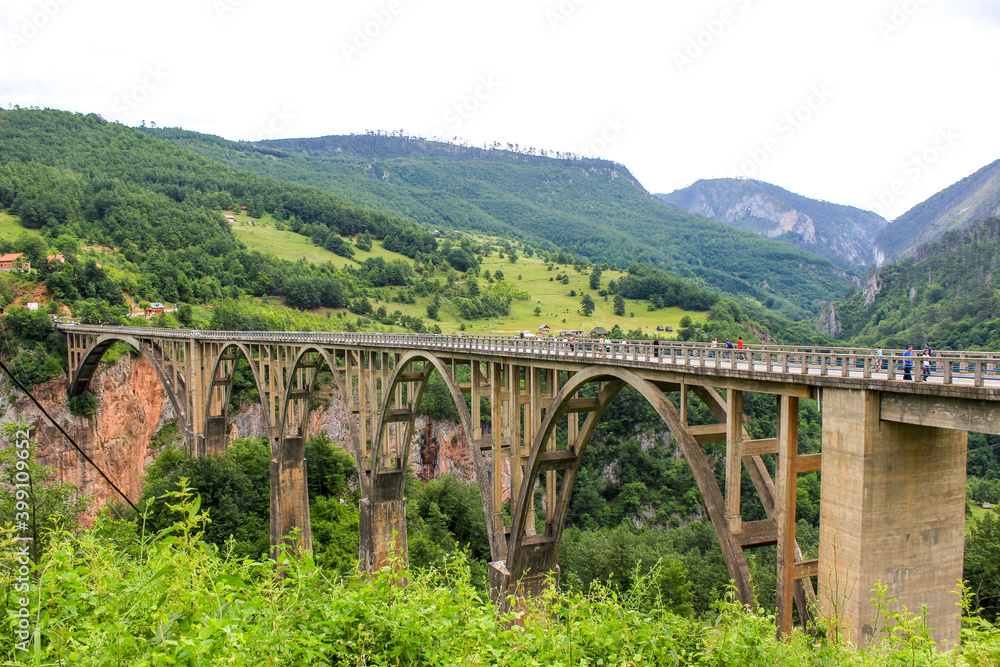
{"type": "Point", "coordinates": [841, 101]}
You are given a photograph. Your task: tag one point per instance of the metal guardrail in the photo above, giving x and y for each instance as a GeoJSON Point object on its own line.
{"type": "Point", "coordinates": [969, 368]}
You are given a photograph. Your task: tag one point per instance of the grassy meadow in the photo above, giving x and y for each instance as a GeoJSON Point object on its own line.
{"type": "Point", "coordinates": [11, 229]}
{"type": "Point", "coordinates": [558, 309]}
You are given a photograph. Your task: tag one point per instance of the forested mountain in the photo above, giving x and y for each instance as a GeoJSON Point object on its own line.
{"type": "Point", "coordinates": [948, 292]}
{"type": "Point", "coordinates": [843, 234]}
{"type": "Point", "coordinates": [592, 208]}
{"type": "Point", "coordinates": [968, 201]}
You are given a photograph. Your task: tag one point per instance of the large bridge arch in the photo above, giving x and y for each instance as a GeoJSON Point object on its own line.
{"type": "Point", "coordinates": [220, 391]}
{"type": "Point", "coordinates": [533, 556]}
{"type": "Point", "coordinates": [388, 508]}
{"type": "Point", "coordinates": [91, 357]}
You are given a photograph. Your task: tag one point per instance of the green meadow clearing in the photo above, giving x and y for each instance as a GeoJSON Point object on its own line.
{"type": "Point", "coordinates": [11, 229]}
{"type": "Point", "coordinates": [558, 309]}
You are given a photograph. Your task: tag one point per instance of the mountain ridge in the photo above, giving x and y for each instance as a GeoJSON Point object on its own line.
{"type": "Point", "coordinates": [843, 234]}
{"type": "Point", "coordinates": [959, 206]}
{"type": "Point", "coordinates": [592, 208]}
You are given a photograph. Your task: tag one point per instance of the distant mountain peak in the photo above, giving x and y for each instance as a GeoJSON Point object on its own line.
{"type": "Point", "coordinates": [843, 234]}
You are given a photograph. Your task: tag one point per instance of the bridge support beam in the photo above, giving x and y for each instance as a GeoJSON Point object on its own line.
{"type": "Point", "coordinates": [383, 534]}
{"type": "Point", "coordinates": [290, 497]}
{"type": "Point", "coordinates": [892, 511]}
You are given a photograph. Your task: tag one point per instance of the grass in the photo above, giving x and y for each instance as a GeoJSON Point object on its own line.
{"type": "Point", "coordinates": [976, 514]}
{"type": "Point", "coordinates": [558, 309]}
{"type": "Point", "coordinates": [11, 229]}
{"type": "Point", "coordinates": [264, 236]}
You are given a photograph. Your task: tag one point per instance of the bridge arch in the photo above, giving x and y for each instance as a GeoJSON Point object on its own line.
{"type": "Point", "coordinates": [400, 376]}
{"type": "Point", "coordinates": [95, 352]}
{"type": "Point", "coordinates": [532, 556]}
{"type": "Point", "coordinates": [220, 392]}
{"type": "Point", "coordinates": [308, 381]}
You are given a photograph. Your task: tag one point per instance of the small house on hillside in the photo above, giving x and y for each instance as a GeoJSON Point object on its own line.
{"type": "Point", "coordinates": [597, 332]}
{"type": "Point", "coordinates": [155, 309]}
{"type": "Point", "coordinates": [15, 261]}
{"type": "Point", "coordinates": [571, 332]}
{"type": "Point", "coordinates": [55, 258]}
{"type": "Point", "coordinates": [544, 330]}
{"type": "Point", "coordinates": [231, 219]}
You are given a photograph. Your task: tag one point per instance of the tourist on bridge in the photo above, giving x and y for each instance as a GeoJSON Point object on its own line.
{"type": "Point", "coordinates": [908, 363]}
{"type": "Point", "coordinates": [879, 363]}
{"type": "Point", "coordinates": [739, 346]}
{"type": "Point", "coordinates": [926, 358]}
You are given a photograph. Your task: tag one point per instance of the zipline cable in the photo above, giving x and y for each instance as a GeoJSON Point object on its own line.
{"type": "Point", "coordinates": [67, 435]}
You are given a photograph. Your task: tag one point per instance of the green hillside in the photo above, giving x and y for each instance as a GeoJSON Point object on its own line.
{"type": "Point", "coordinates": [948, 293]}
{"type": "Point", "coordinates": [966, 202]}
{"type": "Point", "coordinates": [139, 220]}
{"type": "Point", "coordinates": [592, 208]}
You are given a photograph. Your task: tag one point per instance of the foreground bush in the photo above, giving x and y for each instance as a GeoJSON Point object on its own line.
{"type": "Point", "coordinates": [172, 599]}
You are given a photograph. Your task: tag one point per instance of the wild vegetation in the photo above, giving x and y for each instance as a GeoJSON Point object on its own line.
{"type": "Point", "coordinates": [170, 588]}
{"type": "Point", "coordinates": [551, 203]}
{"type": "Point", "coordinates": [948, 293]}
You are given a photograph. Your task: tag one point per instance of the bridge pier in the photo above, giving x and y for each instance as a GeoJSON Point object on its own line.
{"type": "Point", "coordinates": [383, 534]}
{"type": "Point", "coordinates": [290, 497]}
{"type": "Point", "coordinates": [892, 511]}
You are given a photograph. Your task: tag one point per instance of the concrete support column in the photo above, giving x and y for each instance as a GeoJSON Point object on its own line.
{"type": "Point", "coordinates": [215, 437]}
{"type": "Point", "coordinates": [290, 496]}
{"type": "Point", "coordinates": [519, 594]}
{"type": "Point", "coordinates": [383, 534]}
{"type": "Point", "coordinates": [892, 511]}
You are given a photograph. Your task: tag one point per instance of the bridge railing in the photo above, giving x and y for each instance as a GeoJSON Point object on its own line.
{"type": "Point", "coordinates": [976, 368]}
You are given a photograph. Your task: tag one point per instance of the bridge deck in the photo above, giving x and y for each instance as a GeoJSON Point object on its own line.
{"type": "Point", "coordinates": [965, 374]}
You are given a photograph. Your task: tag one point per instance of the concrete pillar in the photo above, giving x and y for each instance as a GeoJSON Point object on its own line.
{"type": "Point", "coordinates": [215, 437]}
{"type": "Point", "coordinates": [892, 511]}
{"type": "Point", "coordinates": [522, 594]}
{"type": "Point", "coordinates": [383, 534]}
{"type": "Point", "coordinates": [290, 496]}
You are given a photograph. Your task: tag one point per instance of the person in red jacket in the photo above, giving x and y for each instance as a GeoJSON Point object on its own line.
{"type": "Point", "coordinates": [739, 346]}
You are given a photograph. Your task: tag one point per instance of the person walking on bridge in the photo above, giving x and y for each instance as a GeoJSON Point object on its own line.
{"type": "Point", "coordinates": [908, 363]}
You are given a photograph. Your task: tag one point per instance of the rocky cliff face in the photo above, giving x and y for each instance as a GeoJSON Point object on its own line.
{"type": "Point", "coordinates": [133, 407]}
{"type": "Point", "coordinates": [843, 234]}
{"type": "Point", "coordinates": [829, 321]}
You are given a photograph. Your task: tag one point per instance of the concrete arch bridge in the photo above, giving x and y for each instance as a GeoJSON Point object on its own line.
{"type": "Point", "coordinates": [892, 462]}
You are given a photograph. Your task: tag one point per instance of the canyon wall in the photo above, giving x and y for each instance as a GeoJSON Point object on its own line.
{"type": "Point", "coordinates": [133, 407]}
